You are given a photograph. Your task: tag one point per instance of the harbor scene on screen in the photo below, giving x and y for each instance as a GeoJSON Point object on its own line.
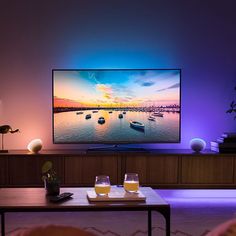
{"type": "Point", "coordinates": [116, 106]}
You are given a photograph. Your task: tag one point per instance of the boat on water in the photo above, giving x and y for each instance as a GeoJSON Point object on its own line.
{"type": "Point", "coordinates": [124, 112]}
{"type": "Point", "coordinates": [159, 114]}
{"type": "Point", "coordinates": [152, 118]}
{"type": "Point", "coordinates": [95, 111]}
{"type": "Point", "coordinates": [120, 116]}
{"type": "Point", "coordinates": [136, 124]}
{"type": "Point", "coordinates": [101, 120]}
{"type": "Point", "coordinates": [79, 113]}
{"type": "Point", "coordinates": [88, 116]}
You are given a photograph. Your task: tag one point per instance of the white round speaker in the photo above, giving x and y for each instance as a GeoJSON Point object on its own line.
{"type": "Point", "coordinates": [35, 145]}
{"type": "Point", "coordinates": [197, 144]}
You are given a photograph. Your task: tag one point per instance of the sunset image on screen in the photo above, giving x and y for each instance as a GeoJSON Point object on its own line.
{"type": "Point", "coordinates": [116, 106]}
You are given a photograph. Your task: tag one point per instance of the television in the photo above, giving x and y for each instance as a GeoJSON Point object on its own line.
{"type": "Point", "coordinates": [116, 106]}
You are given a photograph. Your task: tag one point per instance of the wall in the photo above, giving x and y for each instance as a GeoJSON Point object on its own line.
{"type": "Point", "coordinates": [197, 36]}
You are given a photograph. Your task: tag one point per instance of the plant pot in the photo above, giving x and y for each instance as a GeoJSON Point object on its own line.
{"type": "Point", "coordinates": [52, 188]}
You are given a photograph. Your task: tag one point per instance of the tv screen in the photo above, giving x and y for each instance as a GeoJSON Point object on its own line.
{"type": "Point", "coordinates": [116, 106]}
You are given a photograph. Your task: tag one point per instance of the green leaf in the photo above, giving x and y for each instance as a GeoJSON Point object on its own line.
{"type": "Point", "coordinates": [229, 111]}
{"type": "Point", "coordinates": [47, 166]}
{"type": "Point", "coordinates": [232, 104]}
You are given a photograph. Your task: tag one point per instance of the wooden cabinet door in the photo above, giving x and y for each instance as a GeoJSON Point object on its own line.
{"type": "Point", "coordinates": [103, 164]}
{"type": "Point", "coordinates": [23, 171]}
{"type": "Point", "coordinates": [26, 170]}
{"type": "Point", "coordinates": [136, 163]}
{"type": "Point", "coordinates": [3, 171]}
{"type": "Point", "coordinates": [234, 158]}
{"type": "Point", "coordinates": [162, 169]}
{"type": "Point", "coordinates": [207, 170]}
{"type": "Point", "coordinates": [73, 170]}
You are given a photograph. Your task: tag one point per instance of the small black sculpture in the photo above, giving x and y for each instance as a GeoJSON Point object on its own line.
{"type": "Point", "coordinates": [4, 129]}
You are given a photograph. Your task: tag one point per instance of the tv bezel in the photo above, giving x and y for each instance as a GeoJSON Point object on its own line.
{"type": "Point", "coordinates": [120, 142]}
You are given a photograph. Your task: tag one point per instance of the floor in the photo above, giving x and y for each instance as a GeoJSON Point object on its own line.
{"type": "Point", "coordinates": [194, 213]}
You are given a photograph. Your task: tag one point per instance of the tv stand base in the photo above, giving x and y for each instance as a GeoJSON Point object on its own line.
{"type": "Point", "coordinates": [116, 148]}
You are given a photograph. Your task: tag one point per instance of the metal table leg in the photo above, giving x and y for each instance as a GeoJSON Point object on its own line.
{"type": "Point", "coordinates": [167, 217]}
{"type": "Point", "coordinates": [3, 223]}
{"type": "Point", "coordinates": [166, 214]}
{"type": "Point", "coordinates": [149, 223]}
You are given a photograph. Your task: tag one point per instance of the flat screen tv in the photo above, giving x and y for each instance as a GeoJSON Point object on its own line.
{"type": "Point", "coordinates": [116, 106]}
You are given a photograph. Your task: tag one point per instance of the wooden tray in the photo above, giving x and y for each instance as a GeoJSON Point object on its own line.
{"type": "Point", "coordinates": [116, 194]}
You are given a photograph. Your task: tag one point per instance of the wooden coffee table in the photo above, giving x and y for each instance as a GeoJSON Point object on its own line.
{"type": "Point", "coordinates": [34, 200]}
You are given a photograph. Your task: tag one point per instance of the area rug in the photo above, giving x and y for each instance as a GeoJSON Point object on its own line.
{"type": "Point", "coordinates": [190, 216]}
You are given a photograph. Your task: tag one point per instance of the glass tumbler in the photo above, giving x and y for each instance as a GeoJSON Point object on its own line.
{"type": "Point", "coordinates": [131, 183]}
{"type": "Point", "coordinates": [102, 185]}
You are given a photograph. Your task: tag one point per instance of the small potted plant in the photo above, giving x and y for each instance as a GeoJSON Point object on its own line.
{"type": "Point", "coordinates": [232, 107]}
{"type": "Point", "coordinates": [51, 181]}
